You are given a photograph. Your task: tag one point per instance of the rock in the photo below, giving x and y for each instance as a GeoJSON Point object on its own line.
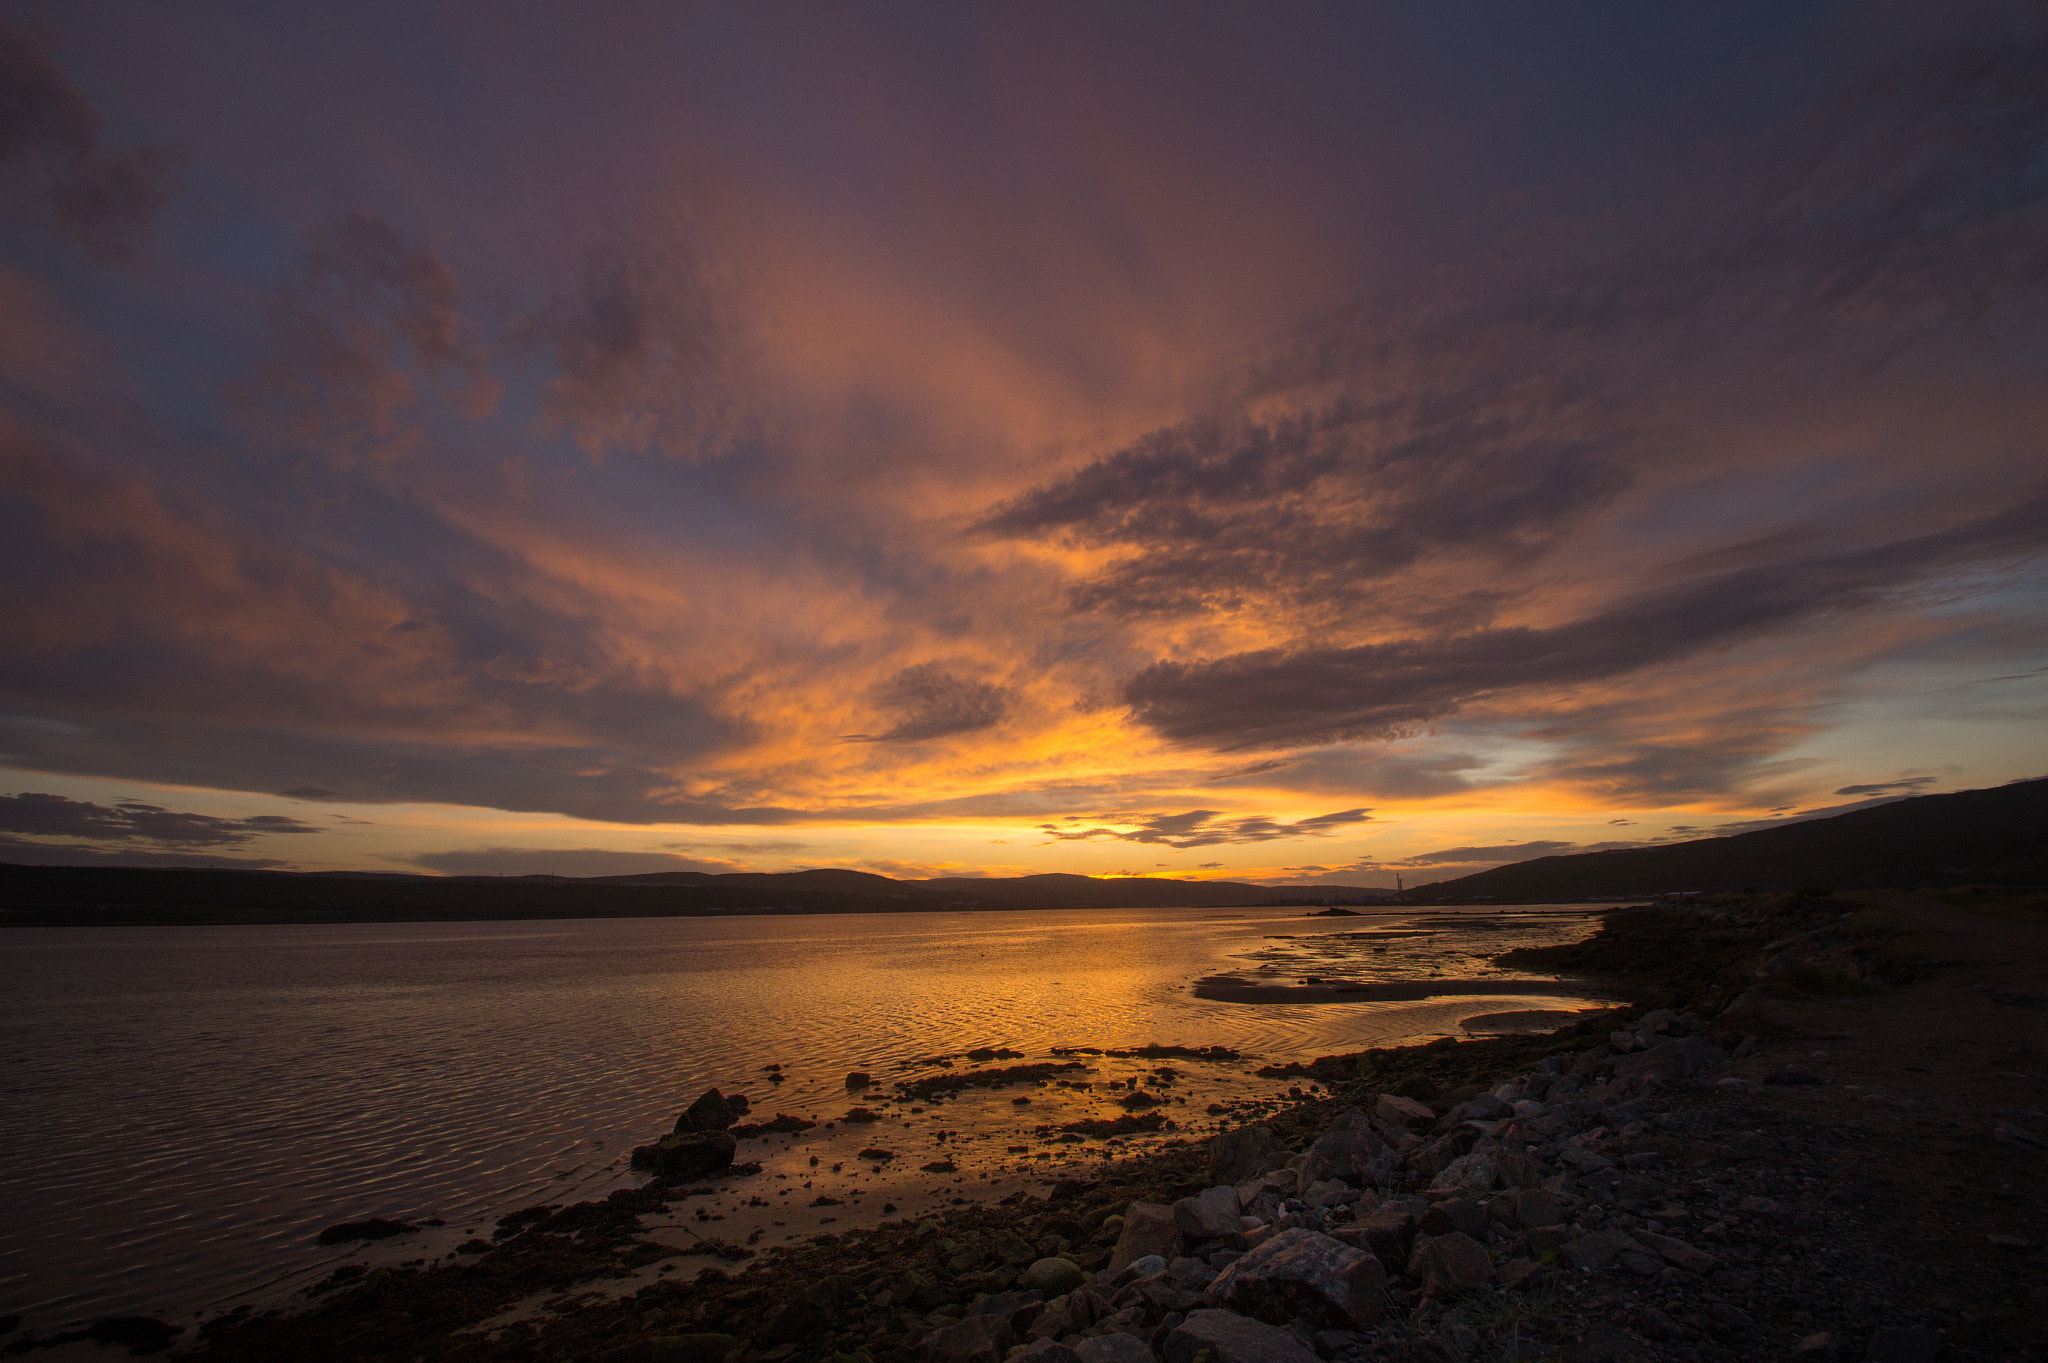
{"type": "Point", "coordinates": [1385, 1234]}
{"type": "Point", "coordinates": [1675, 1252]}
{"type": "Point", "coordinates": [1149, 1228]}
{"type": "Point", "coordinates": [1597, 1249]}
{"type": "Point", "coordinates": [1241, 1155]}
{"type": "Point", "coordinates": [1584, 1160]}
{"type": "Point", "coordinates": [1392, 1107]}
{"type": "Point", "coordinates": [977, 1339]}
{"type": "Point", "coordinates": [1352, 1151]}
{"type": "Point", "coordinates": [1113, 1348]}
{"type": "Point", "coordinates": [376, 1228]}
{"type": "Point", "coordinates": [712, 1111]}
{"type": "Point", "coordinates": [1641, 1264]}
{"type": "Point", "coordinates": [1226, 1337]}
{"type": "Point", "coordinates": [1604, 1344]}
{"type": "Point", "coordinates": [1476, 1172]}
{"type": "Point", "coordinates": [1442, 1151]}
{"type": "Point", "coordinates": [702, 1348]}
{"type": "Point", "coordinates": [1208, 1215]}
{"type": "Point", "coordinates": [1331, 1192]}
{"type": "Point", "coordinates": [1526, 1209]}
{"type": "Point", "coordinates": [691, 1155]}
{"type": "Point", "coordinates": [1820, 1348]}
{"type": "Point", "coordinates": [1300, 1269]}
{"type": "Point", "coordinates": [1519, 1275]}
{"type": "Point", "coordinates": [1052, 1276]}
{"type": "Point", "coordinates": [1456, 1214]}
{"type": "Point", "coordinates": [1056, 1321]}
{"type": "Point", "coordinates": [1892, 1345]}
{"type": "Point", "coordinates": [1043, 1351]}
{"type": "Point", "coordinates": [1149, 1266]}
{"type": "Point", "coordinates": [1451, 1265]}
{"type": "Point", "coordinates": [858, 1080]}
{"type": "Point", "coordinates": [2006, 1133]}
{"type": "Point", "coordinates": [1680, 1059]}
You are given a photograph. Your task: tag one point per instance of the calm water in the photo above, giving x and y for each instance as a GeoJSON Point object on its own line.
{"type": "Point", "coordinates": [185, 1108]}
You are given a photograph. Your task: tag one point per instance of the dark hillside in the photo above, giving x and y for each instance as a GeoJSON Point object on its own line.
{"type": "Point", "coordinates": [1991, 837]}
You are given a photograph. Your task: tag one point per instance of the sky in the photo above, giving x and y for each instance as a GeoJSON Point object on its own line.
{"type": "Point", "coordinates": [1300, 444]}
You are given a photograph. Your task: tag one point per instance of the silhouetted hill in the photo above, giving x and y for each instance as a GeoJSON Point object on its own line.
{"type": "Point", "coordinates": [100, 894]}
{"type": "Point", "coordinates": [1989, 837]}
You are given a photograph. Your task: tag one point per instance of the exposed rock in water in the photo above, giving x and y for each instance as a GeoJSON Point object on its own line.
{"type": "Point", "coordinates": [712, 1111]}
{"type": "Point", "coordinates": [691, 1155]}
{"type": "Point", "coordinates": [376, 1228]}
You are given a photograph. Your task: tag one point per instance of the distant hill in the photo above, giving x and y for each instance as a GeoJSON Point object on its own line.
{"type": "Point", "coordinates": [100, 894]}
{"type": "Point", "coordinates": [1987, 837]}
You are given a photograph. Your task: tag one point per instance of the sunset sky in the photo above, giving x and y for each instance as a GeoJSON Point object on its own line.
{"type": "Point", "coordinates": [1299, 443]}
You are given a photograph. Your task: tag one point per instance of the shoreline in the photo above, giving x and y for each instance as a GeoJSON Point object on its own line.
{"type": "Point", "coordinates": [782, 1303]}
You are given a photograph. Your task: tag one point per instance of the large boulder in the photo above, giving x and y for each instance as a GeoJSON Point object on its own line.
{"type": "Point", "coordinates": [1226, 1337]}
{"type": "Point", "coordinates": [1209, 1215]}
{"type": "Point", "coordinates": [1053, 1276]}
{"type": "Point", "coordinates": [1433, 1158]}
{"type": "Point", "coordinates": [712, 1111]}
{"type": "Point", "coordinates": [1352, 1151]}
{"type": "Point", "coordinates": [1149, 1228]}
{"type": "Point", "coordinates": [1451, 1265]}
{"type": "Point", "coordinates": [696, 1154]}
{"type": "Point", "coordinates": [1303, 1272]}
{"type": "Point", "coordinates": [977, 1339]}
{"type": "Point", "coordinates": [1242, 1155]}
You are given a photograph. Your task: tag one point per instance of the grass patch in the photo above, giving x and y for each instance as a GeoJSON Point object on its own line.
{"type": "Point", "coordinates": [2013, 903]}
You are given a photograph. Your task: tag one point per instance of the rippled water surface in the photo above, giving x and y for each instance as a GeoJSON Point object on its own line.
{"type": "Point", "coordinates": [186, 1107]}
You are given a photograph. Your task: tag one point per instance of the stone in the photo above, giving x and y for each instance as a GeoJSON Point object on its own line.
{"type": "Point", "coordinates": [1442, 1151]}
{"type": "Point", "coordinates": [859, 1079]}
{"type": "Point", "coordinates": [977, 1339]}
{"type": "Point", "coordinates": [1350, 1150]}
{"type": "Point", "coordinates": [1519, 1275]}
{"type": "Point", "coordinates": [1584, 1160]}
{"type": "Point", "coordinates": [1054, 1322]}
{"type": "Point", "coordinates": [1113, 1348]}
{"type": "Point", "coordinates": [1226, 1337]}
{"type": "Point", "coordinates": [1331, 1192]}
{"type": "Point", "coordinates": [1392, 1107]}
{"type": "Point", "coordinates": [690, 1155]}
{"type": "Point", "coordinates": [1209, 1215]}
{"type": "Point", "coordinates": [1149, 1229]}
{"type": "Point", "coordinates": [1053, 1276]}
{"type": "Point", "coordinates": [1043, 1351]}
{"type": "Point", "coordinates": [1242, 1155]}
{"type": "Point", "coordinates": [1385, 1234]}
{"type": "Point", "coordinates": [1597, 1249]}
{"type": "Point", "coordinates": [1893, 1345]}
{"type": "Point", "coordinates": [1149, 1266]}
{"type": "Point", "coordinates": [701, 1348]}
{"type": "Point", "coordinates": [1543, 1240]}
{"type": "Point", "coordinates": [1680, 1059]}
{"type": "Point", "coordinates": [1455, 1214]}
{"type": "Point", "coordinates": [1675, 1252]}
{"type": "Point", "coordinates": [1526, 1209]}
{"type": "Point", "coordinates": [1604, 1344]}
{"type": "Point", "coordinates": [1641, 1264]}
{"type": "Point", "coordinates": [1475, 1172]}
{"type": "Point", "coordinates": [712, 1111]}
{"type": "Point", "coordinates": [1818, 1348]}
{"type": "Point", "coordinates": [1451, 1265]}
{"type": "Point", "coordinates": [1298, 1270]}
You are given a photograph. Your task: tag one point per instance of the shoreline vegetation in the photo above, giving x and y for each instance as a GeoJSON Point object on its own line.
{"type": "Point", "coordinates": [1634, 1186]}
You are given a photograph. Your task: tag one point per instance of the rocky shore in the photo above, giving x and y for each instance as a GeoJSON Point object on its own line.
{"type": "Point", "coordinates": [1702, 1181]}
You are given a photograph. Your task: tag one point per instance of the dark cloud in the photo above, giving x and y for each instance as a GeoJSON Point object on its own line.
{"type": "Point", "coordinates": [561, 861]}
{"type": "Point", "coordinates": [1905, 785]}
{"type": "Point", "coordinates": [1397, 459]}
{"type": "Point", "coordinates": [1197, 828]}
{"type": "Point", "coordinates": [929, 702]}
{"type": "Point", "coordinates": [1274, 698]}
{"type": "Point", "coordinates": [54, 816]}
{"type": "Point", "coordinates": [647, 355]}
{"type": "Point", "coordinates": [107, 198]}
{"type": "Point", "coordinates": [370, 314]}
{"type": "Point", "coordinates": [1497, 855]}
{"type": "Point", "coordinates": [27, 852]}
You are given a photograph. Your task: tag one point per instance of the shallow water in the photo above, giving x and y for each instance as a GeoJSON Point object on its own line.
{"type": "Point", "coordinates": [185, 1108]}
